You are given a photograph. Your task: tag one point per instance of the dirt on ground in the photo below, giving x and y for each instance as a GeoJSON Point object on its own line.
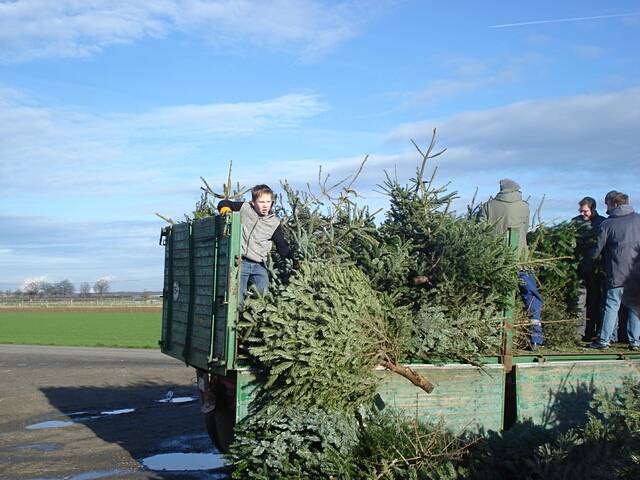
{"type": "Point", "coordinates": [89, 413]}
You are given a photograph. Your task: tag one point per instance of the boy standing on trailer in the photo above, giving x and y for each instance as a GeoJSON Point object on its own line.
{"type": "Point", "coordinates": [260, 230]}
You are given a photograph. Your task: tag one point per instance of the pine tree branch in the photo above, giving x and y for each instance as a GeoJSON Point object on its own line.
{"type": "Point", "coordinates": [227, 187]}
{"type": "Point", "coordinates": [207, 189]}
{"type": "Point", "coordinates": [168, 220]}
{"type": "Point", "coordinates": [425, 156]}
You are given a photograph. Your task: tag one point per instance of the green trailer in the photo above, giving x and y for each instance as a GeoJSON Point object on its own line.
{"type": "Point", "coordinates": [200, 313]}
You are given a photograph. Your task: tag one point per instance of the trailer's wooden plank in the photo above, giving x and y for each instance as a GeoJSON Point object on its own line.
{"type": "Point", "coordinates": [183, 309]}
{"type": "Point", "coordinates": [201, 328]}
{"type": "Point", "coordinates": [558, 394]}
{"type": "Point", "coordinates": [465, 397]}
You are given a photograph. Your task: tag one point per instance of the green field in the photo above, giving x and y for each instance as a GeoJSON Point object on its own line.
{"type": "Point", "coordinates": [100, 328]}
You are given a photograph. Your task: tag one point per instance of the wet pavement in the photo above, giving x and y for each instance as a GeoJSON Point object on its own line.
{"type": "Point", "coordinates": [92, 413]}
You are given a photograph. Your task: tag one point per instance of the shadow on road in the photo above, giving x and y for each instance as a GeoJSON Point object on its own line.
{"type": "Point", "coordinates": [152, 428]}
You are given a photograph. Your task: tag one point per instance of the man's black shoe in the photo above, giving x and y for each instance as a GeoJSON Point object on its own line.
{"type": "Point", "coordinates": [598, 345]}
{"type": "Point", "coordinates": [634, 348]}
{"type": "Point", "coordinates": [589, 339]}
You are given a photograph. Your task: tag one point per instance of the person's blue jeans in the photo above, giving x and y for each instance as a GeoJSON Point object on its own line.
{"type": "Point", "coordinates": [533, 303]}
{"type": "Point", "coordinates": [612, 303]}
{"type": "Point", "coordinates": [252, 273]}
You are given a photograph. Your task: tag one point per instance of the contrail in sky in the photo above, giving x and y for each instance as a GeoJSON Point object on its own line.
{"type": "Point", "coordinates": [559, 20]}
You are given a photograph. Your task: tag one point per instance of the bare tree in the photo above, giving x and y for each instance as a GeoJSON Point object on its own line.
{"type": "Point", "coordinates": [49, 289]}
{"type": "Point", "coordinates": [85, 289]}
{"type": "Point", "coordinates": [33, 286]}
{"type": "Point", "coordinates": [101, 286]}
{"type": "Point", "coordinates": [65, 288]}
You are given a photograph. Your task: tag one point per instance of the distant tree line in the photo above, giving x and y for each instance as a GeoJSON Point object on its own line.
{"type": "Point", "coordinates": [38, 287]}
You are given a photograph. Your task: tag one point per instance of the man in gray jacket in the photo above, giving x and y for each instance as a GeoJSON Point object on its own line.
{"type": "Point", "coordinates": [619, 240]}
{"type": "Point", "coordinates": [508, 211]}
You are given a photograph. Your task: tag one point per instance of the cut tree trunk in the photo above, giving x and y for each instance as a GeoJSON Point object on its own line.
{"type": "Point", "coordinates": [410, 374]}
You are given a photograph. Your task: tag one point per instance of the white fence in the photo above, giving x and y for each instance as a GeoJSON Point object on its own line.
{"type": "Point", "coordinates": [95, 302]}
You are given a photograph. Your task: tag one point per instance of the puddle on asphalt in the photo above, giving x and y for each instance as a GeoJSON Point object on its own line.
{"type": "Point", "coordinates": [170, 398]}
{"type": "Point", "coordinates": [177, 400]}
{"type": "Point", "coordinates": [118, 412]}
{"type": "Point", "coordinates": [49, 424]}
{"type": "Point", "coordinates": [77, 418]}
{"type": "Point", "coordinates": [182, 462]}
{"type": "Point", "coordinates": [40, 447]}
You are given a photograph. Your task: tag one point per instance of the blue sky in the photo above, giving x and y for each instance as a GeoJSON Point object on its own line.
{"type": "Point", "coordinates": [112, 110]}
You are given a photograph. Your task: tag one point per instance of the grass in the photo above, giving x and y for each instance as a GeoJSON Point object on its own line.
{"type": "Point", "coordinates": [91, 328]}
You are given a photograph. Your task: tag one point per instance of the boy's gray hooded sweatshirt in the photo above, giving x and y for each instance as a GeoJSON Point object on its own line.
{"type": "Point", "coordinates": [258, 233]}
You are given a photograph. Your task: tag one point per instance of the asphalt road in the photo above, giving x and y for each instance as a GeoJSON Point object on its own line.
{"type": "Point", "coordinates": [93, 413]}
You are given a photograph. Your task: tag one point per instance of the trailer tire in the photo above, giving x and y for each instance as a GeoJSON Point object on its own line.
{"type": "Point", "coordinates": [221, 421]}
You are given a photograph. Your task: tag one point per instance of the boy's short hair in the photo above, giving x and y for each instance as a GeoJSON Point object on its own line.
{"type": "Point", "coordinates": [589, 202]}
{"type": "Point", "coordinates": [259, 190]}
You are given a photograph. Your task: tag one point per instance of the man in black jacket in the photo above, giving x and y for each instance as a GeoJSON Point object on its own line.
{"type": "Point", "coordinates": [590, 295]}
{"type": "Point", "coordinates": [619, 238]}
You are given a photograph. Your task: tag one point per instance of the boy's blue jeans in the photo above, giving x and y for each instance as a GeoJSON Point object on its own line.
{"type": "Point", "coordinates": [252, 273]}
{"type": "Point", "coordinates": [612, 303]}
{"type": "Point", "coordinates": [533, 304]}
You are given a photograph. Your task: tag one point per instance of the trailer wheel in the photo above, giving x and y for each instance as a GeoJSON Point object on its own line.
{"type": "Point", "coordinates": [221, 421]}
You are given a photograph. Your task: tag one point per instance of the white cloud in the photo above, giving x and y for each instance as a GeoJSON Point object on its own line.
{"type": "Point", "coordinates": [64, 148]}
{"type": "Point", "coordinates": [594, 129]}
{"type": "Point", "coordinates": [307, 26]}
{"type": "Point", "coordinates": [230, 118]}
{"type": "Point", "coordinates": [538, 39]}
{"type": "Point", "coordinates": [32, 29]}
{"type": "Point", "coordinates": [75, 28]}
{"type": "Point", "coordinates": [447, 87]}
{"type": "Point", "coordinates": [590, 52]}
{"type": "Point", "coordinates": [468, 75]}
